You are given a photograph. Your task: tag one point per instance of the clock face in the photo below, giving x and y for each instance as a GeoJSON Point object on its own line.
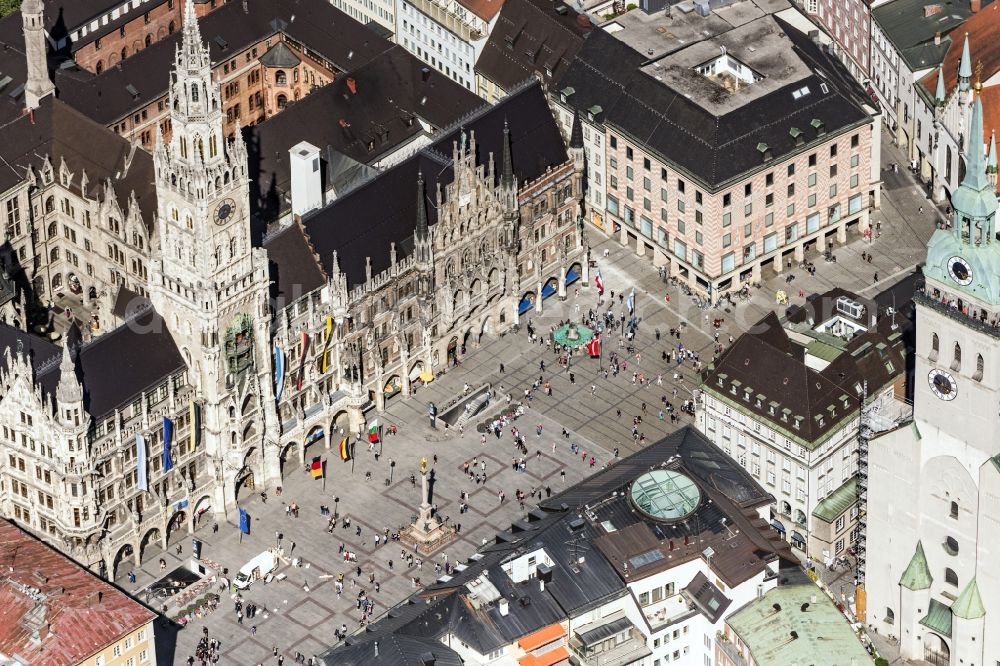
{"type": "Point", "coordinates": [960, 270]}
{"type": "Point", "coordinates": [224, 211]}
{"type": "Point", "coordinates": [942, 384]}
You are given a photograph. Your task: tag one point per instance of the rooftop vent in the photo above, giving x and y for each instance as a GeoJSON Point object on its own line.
{"type": "Point", "coordinates": [132, 90]}
{"type": "Point", "coordinates": [931, 10]}
{"type": "Point", "coordinates": [222, 43]}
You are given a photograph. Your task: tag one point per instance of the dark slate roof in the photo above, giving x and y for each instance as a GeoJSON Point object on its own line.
{"type": "Point", "coordinates": [564, 526]}
{"type": "Point", "coordinates": [713, 149]}
{"type": "Point", "coordinates": [13, 65]}
{"type": "Point", "coordinates": [381, 103]}
{"type": "Point", "coordinates": [768, 362]}
{"type": "Point", "coordinates": [294, 268]}
{"type": "Point", "coordinates": [128, 303]}
{"type": "Point", "coordinates": [319, 25]}
{"type": "Point", "coordinates": [40, 351]}
{"type": "Point", "coordinates": [62, 17]}
{"type": "Point", "coordinates": [530, 37]}
{"type": "Point", "coordinates": [383, 210]}
{"type": "Point", "coordinates": [61, 132]}
{"type": "Point", "coordinates": [905, 26]}
{"type": "Point", "coordinates": [707, 598]}
{"type": "Point", "coordinates": [280, 55]}
{"type": "Point", "coordinates": [395, 651]}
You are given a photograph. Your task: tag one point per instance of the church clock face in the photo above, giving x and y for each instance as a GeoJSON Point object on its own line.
{"type": "Point", "coordinates": [960, 270]}
{"type": "Point", "coordinates": [942, 384]}
{"type": "Point", "coordinates": [225, 211]}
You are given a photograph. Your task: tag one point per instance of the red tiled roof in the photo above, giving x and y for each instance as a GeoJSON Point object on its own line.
{"type": "Point", "coordinates": [76, 613]}
{"type": "Point", "coordinates": [484, 9]}
{"type": "Point", "coordinates": [984, 46]}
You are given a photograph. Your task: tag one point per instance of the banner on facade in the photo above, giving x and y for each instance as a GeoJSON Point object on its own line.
{"type": "Point", "coordinates": [302, 361]}
{"type": "Point", "coordinates": [140, 462]}
{"type": "Point", "coordinates": [279, 373]}
{"type": "Point", "coordinates": [168, 438]}
{"type": "Point", "coordinates": [324, 358]}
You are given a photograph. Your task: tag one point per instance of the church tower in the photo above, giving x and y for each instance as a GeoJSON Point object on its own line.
{"type": "Point", "coordinates": [957, 383]}
{"type": "Point", "coordinates": [208, 283]}
{"type": "Point", "coordinates": [39, 84]}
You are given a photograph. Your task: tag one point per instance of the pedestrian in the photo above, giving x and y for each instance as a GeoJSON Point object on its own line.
{"type": "Point", "coordinates": [501, 368]}
{"type": "Point", "coordinates": [876, 278]}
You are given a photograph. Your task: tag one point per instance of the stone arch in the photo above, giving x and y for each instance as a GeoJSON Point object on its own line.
{"type": "Point", "coordinates": [161, 33]}
{"type": "Point", "coordinates": [574, 273]}
{"type": "Point", "coordinates": [152, 536]}
{"type": "Point", "coordinates": [527, 302]}
{"type": "Point", "coordinates": [122, 553]}
{"type": "Point", "coordinates": [248, 433]}
{"type": "Point", "coordinates": [476, 288]}
{"type": "Point", "coordinates": [201, 507]}
{"type": "Point", "coordinates": [289, 457]}
{"type": "Point", "coordinates": [936, 650]}
{"type": "Point", "coordinates": [457, 299]}
{"type": "Point", "coordinates": [245, 482]}
{"type": "Point", "coordinates": [341, 423]}
{"type": "Point", "coordinates": [550, 288]}
{"type": "Point", "coordinates": [176, 524]}
{"type": "Point", "coordinates": [486, 327]}
{"type": "Point", "coordinates": [493, 279]}
{"type": "Point", "coordinates": [248, 405]}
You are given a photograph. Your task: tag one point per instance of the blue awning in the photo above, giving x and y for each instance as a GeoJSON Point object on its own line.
{"type": "Point", "coordinates": [572, 277]}
{"type": "Point", "coordinates": [548, 289]}
{"type": "Point", "coordinates": [778, 526]}
{"type": "Point", "coordinates": [524, 306]}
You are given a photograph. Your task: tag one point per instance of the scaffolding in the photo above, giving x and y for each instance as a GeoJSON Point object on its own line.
{"type": "Point", "coordinates": [864, 435]}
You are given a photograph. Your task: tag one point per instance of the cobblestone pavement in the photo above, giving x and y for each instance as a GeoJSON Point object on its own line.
{"type": "Point", "coordinates": [303, 610]}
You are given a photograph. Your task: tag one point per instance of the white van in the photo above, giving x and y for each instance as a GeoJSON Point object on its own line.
{"type": "Point", "coordinates": [255, 569]}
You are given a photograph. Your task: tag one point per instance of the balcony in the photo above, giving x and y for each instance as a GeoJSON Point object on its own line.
{"type": "Point", "coordinates": [734, 655]}
{"type": "Point", "coordinates": [611, 641]}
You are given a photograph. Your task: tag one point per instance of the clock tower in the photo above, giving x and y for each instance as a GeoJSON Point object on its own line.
{"type": "Point", "coordinates": [957, 383]}
{"type": "Point", "coordinates": [207, 282]}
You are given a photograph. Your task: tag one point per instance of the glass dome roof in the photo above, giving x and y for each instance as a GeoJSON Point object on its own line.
{"type": "Point", "coordinates": [665, 495]}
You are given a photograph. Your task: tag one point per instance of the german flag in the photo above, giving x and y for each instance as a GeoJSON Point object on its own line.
{"type": "Point", "coordinates": [345, 450]}
{"type": "Point", "coordinates": [317, 467]}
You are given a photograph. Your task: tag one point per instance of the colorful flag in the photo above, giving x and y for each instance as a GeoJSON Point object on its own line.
{"type": "Point", "coordinates": [244, 521]}
{"type": "Point", "coordinates": [599, 282]}
{"type": "Point", "coordinates": [317, 467]}
{"type": "Point", "coordinates": [345, 450]}
{"type": "Point", "coordinates": [302, 361]}
{"type": "Point", "coordinates": [140, 462]}
{"type": "Point", "coordinates": [324, 359]}
{"type": "Point", "coordinates": [374, 432]}
{"type": "Point", "coordinates": [630, 301]}
{"type": "Point", "coordinates": [195, 418]}
{"type": "Point", "coordinates": [594, 347]}
{"type": "Point", "coordinates": [279, 373]}
{"type": "Point", "coordinates": [168, 438]}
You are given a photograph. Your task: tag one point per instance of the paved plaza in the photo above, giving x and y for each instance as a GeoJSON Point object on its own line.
{"type": "Point", "coordinates": [303, 610]}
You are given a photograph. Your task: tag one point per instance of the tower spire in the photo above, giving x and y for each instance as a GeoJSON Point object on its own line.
{"type": "Point", "coordinates": [507, 173]}
{"type": "Point", "coordinates": [68, 390]}
{"type": "Point", "coordinates": [39, 84]}
{"type": "Point", "coordinates": [422, 229]}
{"type": "Point", "coordinates": [975, 171]}
{"type": "Point", "coordinates": [965, 66]}
{"type": "Point", "coordinates": [939, 93]}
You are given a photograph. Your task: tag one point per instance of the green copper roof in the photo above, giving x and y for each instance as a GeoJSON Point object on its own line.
{"type": "Point", "coordinates": [965, 65]}
{"type": "Point", "coordinates": [917, 575]}
{"type": "Point", "coordinates": [939, 93]}
{"type": "Point", "coordinates": [838, 501]}
{"type": "Point", "coordinates": [991, 163]}
{"type": "Point", "coordinates": [938, 618]}
{"type": "Point", "coordinates": [969, 605]}
{"type": "Point", "coordinates": [825, 637]}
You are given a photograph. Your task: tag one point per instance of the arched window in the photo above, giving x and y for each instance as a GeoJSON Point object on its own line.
{"type": "Point", "coordinates": [280, 78]}
{"type": "Point", "coordinates": [213, 146]}
{"type": "Point", "coordinates": [194, 92]}
{"type": "Point", "coordinates": [124, 52]}
{"type": "Point", "coordinates": [890, 616]}
{"type": "Point", "coordinates": [232, 248]}
{"type": "Point", "coordinates": [951, 577]}
{"type": "Point", "coordinates": [282, 101]}
{"type": "Point", "coordinates": [979, 368]}
{"type": "Point", "coordinates": [99, 67]}
{"type": "Point", "coordinates": [239, 345]}
{"type": "Point", "coordinates": [50, 205]}
{"type": "Point", "coordinates": [54, 255]}
{"type": "Point", "coordinates": [171, 28]}
{"type": "Point", "coordinates": [149, 40]}
{"type": "Point", "coordinates": [184, 147]}
{"type": "Point", "coordinates": [935, 346]}
{"type": "Point", "coordinates": [956, 362]}
{"type": "Point", "coordinates": [951, 545]}
{"type": "Point", "coordinates": [954, 510]}
{"type": "Point", "coordinates": [189, 222]}
{"type": "Point", "coordinates": [53, 229]}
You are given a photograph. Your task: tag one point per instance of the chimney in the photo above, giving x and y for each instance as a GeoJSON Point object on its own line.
{"type": "Point", "coordinates": [975, 5]}
{"type": "Point", "coordinates": [504, 607]}
{"type": "Point", "coordinates": [427, 659]}
{"type": "Point", "coordinates": [94, 599]}
{"type": "Point", "coordinates": [307, 183]}
{"type": "Point", "coordinates": [937, 38]}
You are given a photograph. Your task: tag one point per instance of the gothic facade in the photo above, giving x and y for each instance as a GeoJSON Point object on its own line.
{"type": "Point", "coordinates": [192, 381]}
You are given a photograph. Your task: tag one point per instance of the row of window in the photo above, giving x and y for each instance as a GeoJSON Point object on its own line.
{"type": "Point", "coordinates": [956, 359]}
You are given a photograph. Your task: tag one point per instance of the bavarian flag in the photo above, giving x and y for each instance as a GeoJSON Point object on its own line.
{"type": "Point", "coordinates": [345, 450]}
{"type": "Point", "coordinates": [374, 432]}
{"type": "Point", "coordinates": [317, 467]}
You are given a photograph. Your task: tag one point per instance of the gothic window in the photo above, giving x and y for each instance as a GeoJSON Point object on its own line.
{"type": "Point", "coordinates": [954, 510]}
{"type": "Point", "coordinates": [99, 67]}
{"type": "Point", "coordinates": [50, 204]}
{"type": "Point", "coordinates": [184, 147]}
{"type": "Point", "coordinates": [54, 255]}
{"type": "Point", "coordinates": [232, 248]}
{"type": "Point", "coordinates": [935, 346]}
{"type": "Point", "coordinates": [171, 28]}
{"type": "Point", "coordinates": [956, 363]}
{"type": "Point", "coordinates": [890, 615]}
{"type": "Point", "coordinates": [213, 147]}
{"type": "Point", "coordinates": [239, 345]}
{"type": "Point", "coordinates": [979, 368]}
{"type": "Point", "coordinates": [280, 78]}
{"type": "Point", "coordinates": [124, 53]}
{"type": "Point", "coordinates": [951, 577]}
{"type": "Point", "coordinates": [53, 229]}
{"type": "Point", "coordinates": [225, 178]}
{"type": "Point", "coordinates": [149, 40]}
{"type": "Point", "coordinates": [199, 146]}
{"type": "Point", "coordinates": [189, 222]}
{"type": "Point", "coordinates": [282, 101]}
{"type": "Point", "coordinates": [194, 92]}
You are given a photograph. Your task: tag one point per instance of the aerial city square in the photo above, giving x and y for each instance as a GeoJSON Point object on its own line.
{"type": "Point", "coordinates": [499, 332]}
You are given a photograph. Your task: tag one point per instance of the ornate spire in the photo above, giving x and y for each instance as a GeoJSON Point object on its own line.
{"type": "Point", "coordinates": [422, 229]}
{"type": "Point", "coordinates": [991, 163]}
{"type": "Point", "coordinates": [965, 66]}
{"type": "Point", "coordinates": [975, 171]}
{"type": "Point", "coordinates": [39, 84]}
{"type": "Point", "coordinates": [939, 94]}
{"type": "Point", "coordinates": [69, 389]}
{"type": "Point", "coordinates": [507, 173]}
